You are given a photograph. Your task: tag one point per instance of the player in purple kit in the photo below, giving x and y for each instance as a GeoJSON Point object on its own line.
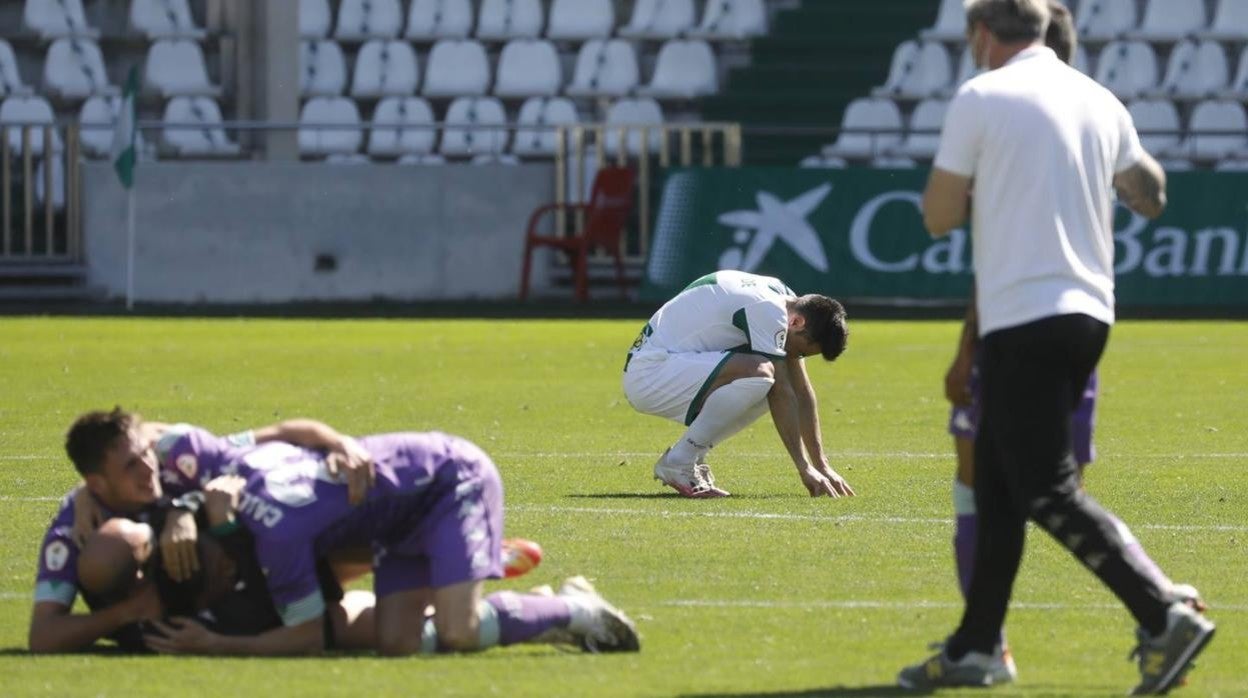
{"type": "Point", "coordinates": [122, 477]}
{"type": "Point", "coordinates": [433, 520]}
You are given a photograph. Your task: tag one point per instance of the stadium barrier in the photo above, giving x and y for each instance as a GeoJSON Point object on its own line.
{"type": "Point", "coordinates": [33, 231]}
{"type": "Point", "coordinates": [858, 233]}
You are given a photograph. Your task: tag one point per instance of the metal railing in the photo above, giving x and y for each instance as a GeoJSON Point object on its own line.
{"type": "Point", "coordinates": [652, 148]}
{"type": "Point", "coordinates": [57, 237]}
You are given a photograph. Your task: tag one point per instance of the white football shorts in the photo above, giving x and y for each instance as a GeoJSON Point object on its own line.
{"type": "Point", "coordinates": [668, 385]}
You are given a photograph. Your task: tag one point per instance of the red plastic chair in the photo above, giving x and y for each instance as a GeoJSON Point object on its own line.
{"type": "Point", "coordinates": [610, 204]}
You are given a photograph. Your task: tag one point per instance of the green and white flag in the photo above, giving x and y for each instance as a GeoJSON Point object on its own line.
{"type": "Point", "coordinates": [126, 130]}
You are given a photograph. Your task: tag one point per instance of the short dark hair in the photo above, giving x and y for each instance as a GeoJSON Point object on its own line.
{"type": "Point", "coordinates": [93, 434]}
{"type": "Point", "coordinates": [1061, 35]}
{"type": "Point", "coordinates": [1010, 20]}
{"type": "Point", "coordinates": [825, 324]}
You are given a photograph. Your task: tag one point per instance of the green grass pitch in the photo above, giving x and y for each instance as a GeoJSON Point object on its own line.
{"type": "Point", "coordinates": [765, 593]}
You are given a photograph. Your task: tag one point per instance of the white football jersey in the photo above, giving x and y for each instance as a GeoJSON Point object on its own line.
{"type": "Point", "coordinates": [726, 310]}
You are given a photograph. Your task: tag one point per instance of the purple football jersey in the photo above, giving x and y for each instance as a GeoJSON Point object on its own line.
{"type": "Point", "coordinates": [296, 511]}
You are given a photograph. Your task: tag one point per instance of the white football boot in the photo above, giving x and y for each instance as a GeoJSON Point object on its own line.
{"type": "Point", "coordinates": [597, 625]}
{"type": "Point", "coordinates": [690, 480]}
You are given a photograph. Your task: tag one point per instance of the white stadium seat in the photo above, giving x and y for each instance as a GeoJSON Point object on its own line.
{"type": "Point", "coordinates": [158, 19]}
{"type": "Point", "coordinates": [402, 126]}
{"type": "Point", "coordinates": [196, 128]}
{"type": "Point", "coordinates": [1127, 68]}
{"type": "Point", "coordinates": [581, 20]}
{"type": "Point", "coordinates": [819, 162]}
{"type": "Point", "coordinates": [430, 20]}
{"type": "Point", "coordinates": [917, 71]}
{"type": "Point", "coordinates": [541, 115]}
{"type": "Point", "coordinates": [1235, 164]}
{"type": "Point", "coordinates": [510, 19]}
{"type": "Point", "coordinates": [431, 159]}
{"type": "Point", "coordinates": [732, 19]}
{"type": "Point", "coordinates": [660, 19]}
{"type": "Point", "coordinates": [474, 126]}
{"type": "Point", "coordinates": [1156, 115]}
{"type": "Point", "coordinates": [1104, 20]}
{"type": "Point", "coordinates": [528, 68]}
{"type": "Point", "coordinates": [1238, 89]}
{"type": "Point", "coordinates": [685, 69]}
{"type": "Point", "coordinates": [322, 69]}
{"type": "Point", "coordinates": [905, 60]}
{"type": "Point", "coordinates": [893, 162]}
{"type": "Point", "coordinates": [923, 136]}
{"type": "Point", "coordinates": [176, 67]}
{"type": "Point", "coordinates": [56, 18]}
{"type": "Point", "coordinates": [360, 20]}
{"type": "Point", "coordinates": [28, 110]}
{"type": "Point", "coordinates": [1170, 20]}
{"type": "Point", "coordinates": [314, 19]}
{"type": "Point", "coordinates": [880, 115]}
{"type": "Point", "coordinates": [75, 69]}
{"type": "Point", "coordinates": [58, 182]}
{"type": "Point", "coordinates": [1222, 116]}
{"type": "Point", "coordinates": [457, 68]}
{"type": "Point", "coordinates": [966, 71]}
{"type": "Point", "coordinates": [950, 23]}
{"type": "Point", "coordinates": [633, 112]}
{"type": "Point", "coordinates": [329, 111]}
{"type": "Point", "coordinates": [494, 159]}
{"type": "Point", "coordinates": [10, 80]}
{"type": "Point", "coordinates": [98, 115]}
{"type": "Point", "coordinates": [1230, 22]}
{"type": "Point", "coordinates": [347, 159]}
{"type": "Point", "coordinates": [605, 68]}
{"type": "Point", "coordinates": [385, 68]}
{"type": "Point", "coordinates": [1196, 71]}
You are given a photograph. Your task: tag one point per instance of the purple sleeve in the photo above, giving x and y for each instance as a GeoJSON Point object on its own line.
{"type": "Point", "coordinates": [290, 569]}
{"type": "Point", "coordinates": [57, 577]}
{"type": "Point", "coordinates": [190, 457]}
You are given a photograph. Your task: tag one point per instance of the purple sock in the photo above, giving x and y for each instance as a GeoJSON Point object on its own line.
{"type": "Point", "coordinates": [964, 532]}
{"type": "Point", "coordinates": [522, 617]}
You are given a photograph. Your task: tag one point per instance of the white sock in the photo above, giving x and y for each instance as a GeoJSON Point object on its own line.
{"type": "Point", "coordinates": [721, 411]}
{"type": "Point", "coordinates": [963, 498]}
{"type": "Point", "coordinates": [488, 630]}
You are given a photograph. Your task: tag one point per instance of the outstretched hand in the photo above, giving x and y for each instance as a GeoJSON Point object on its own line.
{"type": "Point", "coordinates": [824, 482]}
{"type": "Point", "coordinates": [180, 636]}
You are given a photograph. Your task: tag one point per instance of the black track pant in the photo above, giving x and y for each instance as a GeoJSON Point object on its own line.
{"type": "Point", "coordinates": [1033, 376]}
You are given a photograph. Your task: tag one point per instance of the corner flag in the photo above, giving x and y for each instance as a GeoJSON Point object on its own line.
{"type": "Point", "coordinates": [124, 134]}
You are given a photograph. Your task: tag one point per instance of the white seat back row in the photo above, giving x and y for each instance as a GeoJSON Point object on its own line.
{"type": "Point", "coordinates": [359, 20]}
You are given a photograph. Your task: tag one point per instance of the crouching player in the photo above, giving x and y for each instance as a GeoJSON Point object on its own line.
{"type": "Point", "coordinates": [433, 522]}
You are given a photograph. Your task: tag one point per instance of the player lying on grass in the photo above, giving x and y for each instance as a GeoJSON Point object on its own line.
{"type": "Point", "coordinates": [962, 389]}
{"type": "Point", "coordinates": [114, 454]}
{"type": "Point", "coordinates": [433, 522]}
{"type": "Point", "coordinates": [726, 350]}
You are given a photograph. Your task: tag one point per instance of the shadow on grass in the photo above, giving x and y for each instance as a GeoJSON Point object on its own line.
{"type": "Point", "coordinates": [674, 496]}
{"type": "Point", "coordinates": [832, 691]}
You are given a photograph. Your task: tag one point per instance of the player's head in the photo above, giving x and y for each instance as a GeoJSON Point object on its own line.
{"type": "Point", "coordinates": [992, 23]}
{"type": "Point", "coordinates": [109, 563]}
{"type": "Point", "coordinates": [1061, 35]}
{"type": "Point", "coordinates": [118, 465]}
{"type": "Point", "coordinates": [817, 326]}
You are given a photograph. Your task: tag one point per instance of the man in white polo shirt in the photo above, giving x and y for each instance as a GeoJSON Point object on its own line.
{"type": "Point", "coordinates": [1043, 148]}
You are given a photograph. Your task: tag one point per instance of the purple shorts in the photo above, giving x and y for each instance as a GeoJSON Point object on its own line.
{"type": "Point", "coordinates": [459, 538]}
{"type": "Point", "coordinates": [964, 421]}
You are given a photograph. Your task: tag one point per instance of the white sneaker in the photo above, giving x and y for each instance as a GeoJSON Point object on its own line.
{"type": "Point", "coordinates": [690, 480]}
{"type": "Point", "coordinates": [1002, 668]}
{"type": "Point", "coordinates": [597, 625]}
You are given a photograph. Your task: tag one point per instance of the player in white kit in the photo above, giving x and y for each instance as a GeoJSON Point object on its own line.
{"type": "Point", "coordinates": [726, 349]}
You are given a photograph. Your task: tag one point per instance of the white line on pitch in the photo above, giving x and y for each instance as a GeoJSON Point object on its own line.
{"type": "Point", "coordinates": [843, 518]}
{"type": "Point", "coordinates": [901, 605]}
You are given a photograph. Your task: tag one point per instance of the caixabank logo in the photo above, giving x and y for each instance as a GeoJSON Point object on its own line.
{"type": "Point", "coordinates": [859, 234]}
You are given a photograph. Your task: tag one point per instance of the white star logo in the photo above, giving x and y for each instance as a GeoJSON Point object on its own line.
{"type": "Point", "coordinates": [776, 219]}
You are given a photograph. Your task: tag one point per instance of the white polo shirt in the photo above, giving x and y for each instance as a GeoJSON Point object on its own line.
{"type": "Point", "coordinates": [1043, 143]}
